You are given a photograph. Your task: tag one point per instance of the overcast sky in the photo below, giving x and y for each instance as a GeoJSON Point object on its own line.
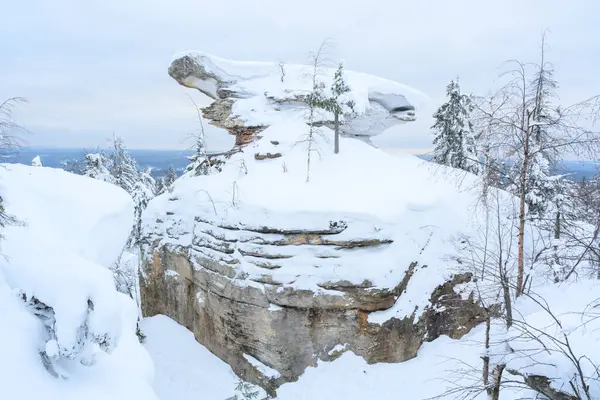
{"type": "Point", "coordinates": [90, 68]}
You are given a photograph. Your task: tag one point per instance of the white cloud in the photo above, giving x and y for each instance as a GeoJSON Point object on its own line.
{"type": "Point", "coordinates": [98, 67]}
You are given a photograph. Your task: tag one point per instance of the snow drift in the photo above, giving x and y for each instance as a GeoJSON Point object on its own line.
{"type": "Point", "coordinates": [66, 332]}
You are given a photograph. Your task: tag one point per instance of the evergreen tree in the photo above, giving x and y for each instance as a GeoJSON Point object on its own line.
{"type": "Point", "coordinates": [168, 180]}
{"type": "Point", "coordinates": [338, 89]}
{"type": "Point", "coordinates": [96, 166]}
{"type": "Point", "coordinates": [199, 164]}
{"type": "Point", "coordinates": [124, 168]}
{"type": "Point", "coordinates": [160, 186]}
{"type": "Point", "coordinates": [334, 103]}
{"type": "Point", "coordinates": [144, 189]}
{"type": "Point", "coordinates": [587, 195]}
{"type": "Point", "coordinates": [454, 140]}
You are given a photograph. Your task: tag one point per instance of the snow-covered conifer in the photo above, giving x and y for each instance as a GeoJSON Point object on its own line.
{"type": "Point", "coordinates": [454, 142]}
{"type": "Point", "coordinates": [97, 166]}
{"type": "Point", "coordinates": [144, 189]}
{"type": "Point", "coordinates": [124, 168]}
{"type": "Point", "coordinates": [336, 105]}
{"type": "Point", "coordinates": [167, 181]}
{"type": "Point", "coordinates": [199, 164]}
{"type": "Point", "coordinates": [36, 162]}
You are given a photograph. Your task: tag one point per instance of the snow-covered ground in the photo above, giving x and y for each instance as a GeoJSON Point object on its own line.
{"type": "Point", "coordinates": [73, 228]}
{"type": "Point", "coordinates": [380, 196]}
{"type": "Point", "coordinates": [185, 370]}
{"type": "Point", "coordinates": [452, 368]}
{"type": "Point", "coordinates": [290, 179]}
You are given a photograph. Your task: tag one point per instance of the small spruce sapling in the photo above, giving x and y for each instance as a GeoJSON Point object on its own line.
{"type": "Point", "coordinates": [199, 163]}
{"type": "Point", "coordinates": [124, 168]}
{"type": "Point", "coordinates": [166, 183]}
{"type": "Point", "coordinates": [334, 104]}
{"type": "Point", "coordinates": [338, 88]}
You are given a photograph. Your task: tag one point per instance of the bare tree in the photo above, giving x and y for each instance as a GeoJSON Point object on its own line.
{"type": "Point", "coordinates": [524, 125]}
{"type": "Point", "coordinates": [281, 66]}
{"type": "Point", "coordinates": [490, 255]}
{"type": "Point", "coordinates": [314, 100]}
{"type": "Point", "coordinates": [10, 141]}
{"type": "Point", "coordinates": [10, 131]}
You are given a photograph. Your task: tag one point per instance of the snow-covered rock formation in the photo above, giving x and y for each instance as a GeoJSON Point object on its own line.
{"type": "Point", "coordinates": [272, 272]}
{"type": "Point", "coordinates": [66, 333]}
{"type": "Point", "coordinates": [250, 96]}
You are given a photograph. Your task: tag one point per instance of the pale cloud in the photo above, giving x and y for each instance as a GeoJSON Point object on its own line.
{"type": "Point", "coordinates": [93, 68]}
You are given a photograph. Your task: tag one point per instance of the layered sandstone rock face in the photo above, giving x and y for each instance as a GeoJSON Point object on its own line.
{"type": "Point", "coordinates": [237, 314]}
{"type": "Point", "coordinates": [276, 262]}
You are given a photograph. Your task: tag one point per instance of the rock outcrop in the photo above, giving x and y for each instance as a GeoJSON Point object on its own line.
{"type": "Point", "coordinates": [237, 314]}
{"type": "Point", "coordinates": [272, 273]}
{"type": "Point", "coordinates": [260, 88]}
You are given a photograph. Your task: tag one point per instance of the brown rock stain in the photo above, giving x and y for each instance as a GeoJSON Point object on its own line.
{"type": "Point", "coordinates": [363, 320]}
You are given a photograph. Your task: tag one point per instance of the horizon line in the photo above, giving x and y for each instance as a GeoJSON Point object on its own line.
{"type": "Point", "coordinates": [412, 150]}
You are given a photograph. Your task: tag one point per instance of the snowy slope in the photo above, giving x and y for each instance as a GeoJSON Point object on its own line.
{"type": "Point", "coordinates": [185, 370]}
{"type": "Point", "coordinates": [72, 229]}
{"type": "Point", "coordinates": [388, 197]}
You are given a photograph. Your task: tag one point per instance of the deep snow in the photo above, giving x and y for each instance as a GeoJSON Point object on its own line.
{"type": "Point", "coordinates": [380, 196]}
{"type": "Point", "coordinates": [427, 210]}
{"type": "Point", "coordinates": [73, 228]}
{"type": "Point", "coordinates": [442, 367]}
{"type": "Point", "coordinates": [185, 370]}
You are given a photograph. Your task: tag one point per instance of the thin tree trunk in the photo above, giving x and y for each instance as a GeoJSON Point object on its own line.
{"type": "Point", "coordinates": [497, 381]}
{"type": "Point", "coordinates": [507, 300]}
{"type": "Point", "coordinates": [523, 191]}
{"type": "Point", "coordinates": [336, 122]}
{"type": "Point", "coordinates": [486, 358]}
